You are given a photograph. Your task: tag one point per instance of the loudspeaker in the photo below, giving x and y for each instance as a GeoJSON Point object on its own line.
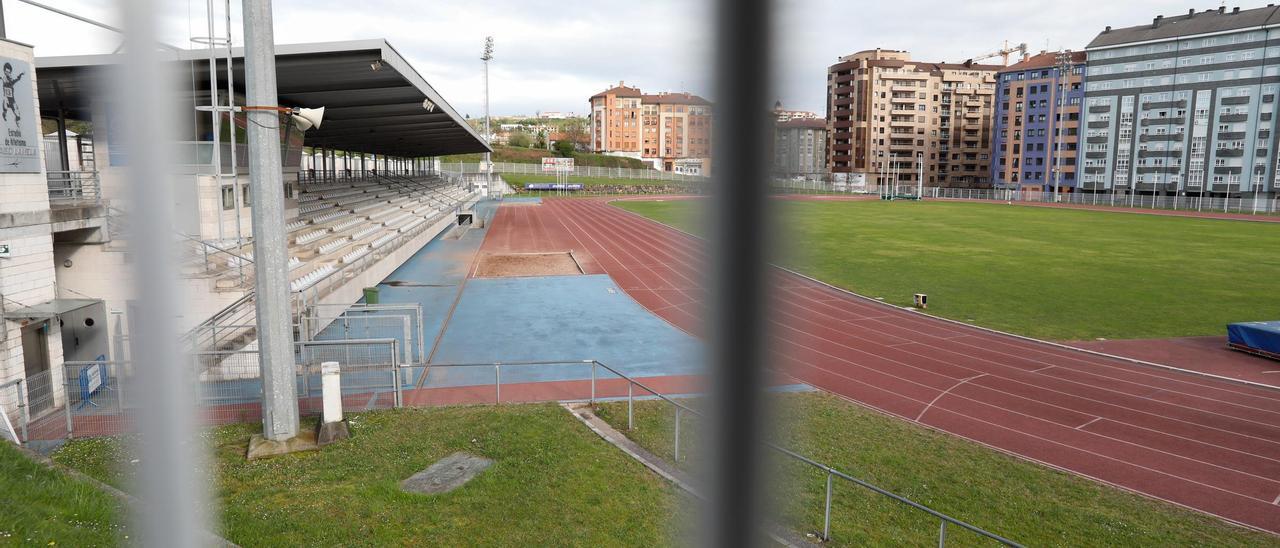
{"type": "Point", "coordinates": [307, 118]}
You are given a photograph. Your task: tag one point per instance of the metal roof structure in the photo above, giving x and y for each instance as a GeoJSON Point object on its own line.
{"type": "Point", "coordinates": [375, 101]}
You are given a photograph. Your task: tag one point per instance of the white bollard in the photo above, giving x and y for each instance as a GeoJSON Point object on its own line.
{"type": "Point", "coordinates": [331, 392]}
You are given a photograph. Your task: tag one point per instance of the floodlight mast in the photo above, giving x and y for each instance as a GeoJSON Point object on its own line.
{"type": "Point", "coordinates": [488, 160]}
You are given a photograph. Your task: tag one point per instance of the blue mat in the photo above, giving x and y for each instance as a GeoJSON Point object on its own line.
{"type": "Point", "coordinates": [1256, 337]}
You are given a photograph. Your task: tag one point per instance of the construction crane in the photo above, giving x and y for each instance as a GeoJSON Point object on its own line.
{"type": "Point", "coordinates": [1003, 53]}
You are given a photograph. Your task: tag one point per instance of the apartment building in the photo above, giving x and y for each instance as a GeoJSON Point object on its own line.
{"type": "Point", "coordinates": [1037, 123]}
{"type": "Point", "coordinates": [668, 130]}
{"type": "Point", "coordinates": [799, 147]}
{"type": "Point", "coordinates": [1184, 105]}
{"type": "Point", "coordinates": [782, 115]}
{"type": "Point", "coordinates": [894, 121]}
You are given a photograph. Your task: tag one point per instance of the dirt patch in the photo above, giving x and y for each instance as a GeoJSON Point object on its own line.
{"type": "Point", "coordinates": [527, 264]}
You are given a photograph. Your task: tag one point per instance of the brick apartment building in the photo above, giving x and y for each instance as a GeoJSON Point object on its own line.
{"type": "Point", "coordinates": [888, 117]}
{"type": "Point", "coordinates": [1029, 95]}
{"type": "Point", "coordinates": [671, 131]}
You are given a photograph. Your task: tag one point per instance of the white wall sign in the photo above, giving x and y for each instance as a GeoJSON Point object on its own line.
{"type": "Point", "coordinates": [19, 122]}
{"type": "Point", "coordinates": [4, 251]}
{"type": "Point", "coordinates": [557, 165]}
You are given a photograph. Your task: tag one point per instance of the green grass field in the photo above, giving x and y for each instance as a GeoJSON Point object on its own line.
{"type": "Point", "coordinates": [553, 482]}
{"type": "Point", "coordinates": [1048, 273]}
{"type": "Point", "coordinates": [44, 507]}
{"type": "Point", "coordinates": [1028, 503]}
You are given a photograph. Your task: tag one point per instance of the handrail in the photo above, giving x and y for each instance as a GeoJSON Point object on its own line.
{"type": "Point", "coordinates": [829, 470]}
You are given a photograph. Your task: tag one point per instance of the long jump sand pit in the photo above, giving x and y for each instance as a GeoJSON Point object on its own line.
{"type": "Point", "coordinates": [510, 265]}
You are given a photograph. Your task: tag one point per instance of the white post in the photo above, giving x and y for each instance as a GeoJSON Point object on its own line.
{"type": "Point", "coordinates": [331, 391]}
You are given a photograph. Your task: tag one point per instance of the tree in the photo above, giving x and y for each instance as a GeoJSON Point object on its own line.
{"type": "Point", "coordinates": [519, 139]}
{"type": "Point", "coordinates": [564, 147]}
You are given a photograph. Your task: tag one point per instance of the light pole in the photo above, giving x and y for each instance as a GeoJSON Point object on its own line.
{"type": "Point", "coordinates": [919, 175]}
{"type": "Point", "coordinates": [488, 160]}
{"type": "Point", "coordinates": [266, 181]}
{"type": "Point", "coordinates": [1064, 65]}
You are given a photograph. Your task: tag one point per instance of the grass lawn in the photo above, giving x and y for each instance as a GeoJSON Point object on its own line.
{"type": "Point", "coordinates": [553, 482]}
{"type": "Point", "coordinates": [1028, 503]}
{"type": "Point", "coordinates": [43, 507]}
{"type": "Point", "coordinates": [1055, 274]}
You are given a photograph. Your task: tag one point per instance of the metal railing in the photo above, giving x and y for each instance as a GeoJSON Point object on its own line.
{"type": "Point", "coordinates": [74, 187]}
{"type": "Point", "coordinates": [578, 171]}
{"type": "Point", "coordinates": [1253, 205]}
{"type": "Point", "coordinates": [593, 394]}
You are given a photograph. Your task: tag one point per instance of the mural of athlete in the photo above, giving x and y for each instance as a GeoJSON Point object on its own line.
{"type": "Point", "coordinates": [8, 81]}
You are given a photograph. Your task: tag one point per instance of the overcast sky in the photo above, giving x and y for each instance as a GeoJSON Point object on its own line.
{"type": "Point", "coordinates": [554, 55]}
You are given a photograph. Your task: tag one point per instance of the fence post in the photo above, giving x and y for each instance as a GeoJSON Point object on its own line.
{"type": "Point", "coordinates": [497, 383]}
{"type": "Point", "coordinates": [395, 375]}
{"type": "Point", "coordinates": [630, 415]}
{"type": "Point", "coordinates": [22, 408]}
{"type": "Point", "coordinates": [942, 534]}
{"type": "Point", "coordinates": [593, 383]}
{"type": "Point", "coordinates": [677, 448]}
{"type": "Point", "coordinates": [826, 515]}
{"type": "Point", "coordinates": [66, 385]}
{"type": "Point", "coordinates": [115, 367]}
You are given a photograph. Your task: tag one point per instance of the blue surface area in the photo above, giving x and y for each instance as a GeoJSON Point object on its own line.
{"type": "Point", "coordinates": [558, 318]}
{"type": "Point", "coordinates": [1259, 336]}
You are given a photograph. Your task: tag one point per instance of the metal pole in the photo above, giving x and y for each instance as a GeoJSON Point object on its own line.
{"type": "Point", "coordinates": [215, 117]}
{"type": "Point", "coordinates": [497, 383]}
{"type": "Point", "coordinates": [630, 402]}
{"type": "Point", "coordinates": [826, 515]}
{"type": "Point", "coordinates": [22, 400]}
{"type": "Point", "coordinates": [677, 445]}
{"type": "Point", "coordinates": [942, 534]}
{"type": "Point", "coordinates": [593, 383]}
{"type": "Point", "coordinates": [62, 143]}
{"type": "Point", "coordinates": [1064, 65]}
{"type": "Point", "coordinates": [266, 181]}
{"type": "Point", "coordinates": [488, 160]}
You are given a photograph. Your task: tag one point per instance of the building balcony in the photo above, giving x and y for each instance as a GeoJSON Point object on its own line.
{"type": "Point", "coordinates": [73, 188]}
{"type": "Point", "coordinates": [1234, 118]}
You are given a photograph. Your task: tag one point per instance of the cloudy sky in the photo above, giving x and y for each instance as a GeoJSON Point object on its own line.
{"type": "Point", "coordinates": [553, 56]}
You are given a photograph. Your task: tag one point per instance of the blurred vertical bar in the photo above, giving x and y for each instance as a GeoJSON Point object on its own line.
{"type": "Point", "coordinates": [738, 228]}
{"type": "Point", "coordinates": [145, 96]}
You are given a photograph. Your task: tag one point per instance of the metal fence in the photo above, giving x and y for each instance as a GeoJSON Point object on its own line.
{"type": "Point", "coordinates": [1259, 205]}
{"type": "Point", "coordinates": [96, 398]}
{"type": "Point", "coordinates": [578, 171]}
{"type": "Point", "coordinates": [66, 187]}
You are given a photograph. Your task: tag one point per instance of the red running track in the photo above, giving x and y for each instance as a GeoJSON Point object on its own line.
{"type": "Point", "coordinates": [1206, 444]}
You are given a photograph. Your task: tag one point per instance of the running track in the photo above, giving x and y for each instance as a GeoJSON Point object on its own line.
{"type": "Point", "coordinates": [1206, 444]}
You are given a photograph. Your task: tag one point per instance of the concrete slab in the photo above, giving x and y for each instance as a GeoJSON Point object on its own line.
{"type": "Point", "coordinates": [446, 474]}
{"type": "Point", "coordinates": [260, 447]}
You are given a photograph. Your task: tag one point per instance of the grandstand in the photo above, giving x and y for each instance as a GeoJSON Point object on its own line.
{"type": "Point", "coordinates": [363, 192]}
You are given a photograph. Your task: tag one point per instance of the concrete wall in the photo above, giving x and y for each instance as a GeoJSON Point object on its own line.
{"type": "Point", "coordinates": [26, 276]}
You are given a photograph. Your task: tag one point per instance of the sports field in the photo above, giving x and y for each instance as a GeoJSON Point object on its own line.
{"type": "Point", "coordinates": [1055, 274]}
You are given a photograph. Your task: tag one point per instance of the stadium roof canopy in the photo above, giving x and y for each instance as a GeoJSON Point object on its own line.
{"type": "Point", "coordinates": [375, 102]}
